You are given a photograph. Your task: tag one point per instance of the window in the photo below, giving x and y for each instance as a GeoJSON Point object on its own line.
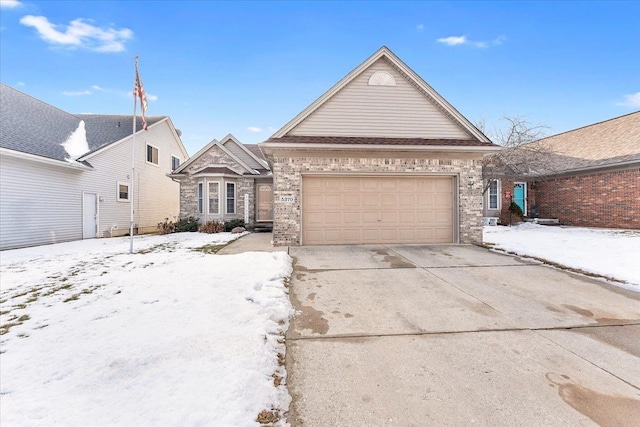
{"type": "Point", "coordinates": [231, 197]}
{"type": "Point", "coordinates": [122, 192]}
{"type": "Point", "coordinates": [494, 199]}
{"type": "Point", "coordinates": [175, 163]}
{"type": "Point", "coordinates": [214, 198]}
{"type": "Point", "coordinates": [152, 154]}
{"type": "Point", "coordinates": [200, 197]}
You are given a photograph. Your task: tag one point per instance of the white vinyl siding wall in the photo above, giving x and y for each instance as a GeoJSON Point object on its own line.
{"type": "Point", "coordinates": [401, 111]}
{"type": "Point", "coordinates": [42, 204]}
{"type": "Point", "coordinates": [39, 203]}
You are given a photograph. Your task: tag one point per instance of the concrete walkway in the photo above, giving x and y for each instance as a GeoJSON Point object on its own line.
{"type": "Point", "coordinates": [404, 335]}
{"type": "Point", "coordinates": [252, 242]}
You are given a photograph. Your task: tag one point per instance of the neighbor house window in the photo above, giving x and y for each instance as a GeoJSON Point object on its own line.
{"type": "Point", "coordinates": [231, 197]}
{"type": "Point", "coordinates": [493, 195]}
{"type": "Point", "coordinates": [214, 198]}
{"type": "Point", "coordinates": [175, 163]}
{"type": "Point", "coordinates": [152, 154]}
{"type": "Point", "coordinates": [123, 192]}
{"type": "Point", "coordinates": [200, 197]}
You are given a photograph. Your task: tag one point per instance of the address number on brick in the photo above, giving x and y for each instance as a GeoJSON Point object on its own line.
{"type": "Point", "coordinates": [286, 199]}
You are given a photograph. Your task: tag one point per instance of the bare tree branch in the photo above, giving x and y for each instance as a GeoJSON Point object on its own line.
{"type": "Point", "coordinates": [521, 156]}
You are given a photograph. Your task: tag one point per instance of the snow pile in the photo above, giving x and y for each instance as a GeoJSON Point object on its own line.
{"type": "Point", "coordinates": [76, 145]}
{"type": "Point", "coordinates": [166, 336]}
{"type": "Point", "coordinates": [607, 252]}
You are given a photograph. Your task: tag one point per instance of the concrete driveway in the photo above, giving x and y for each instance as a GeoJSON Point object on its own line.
{"type": "Point", "coordinates": [405, 335]}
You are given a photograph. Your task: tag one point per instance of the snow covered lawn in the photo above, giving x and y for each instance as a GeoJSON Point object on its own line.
{"type": "Point", "coordinates": [171, 335]}
{"type": "Point", "coordinates": [605, 252]}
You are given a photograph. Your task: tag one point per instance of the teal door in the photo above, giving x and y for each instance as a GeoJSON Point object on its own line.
{"type": "Point", "coordinates": [520, 195]}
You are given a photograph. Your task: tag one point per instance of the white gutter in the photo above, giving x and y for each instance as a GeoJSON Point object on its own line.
{"type": "Point", "coordinates": [26, 156]}
{"type": "Point", "coordinates": [380, 147]}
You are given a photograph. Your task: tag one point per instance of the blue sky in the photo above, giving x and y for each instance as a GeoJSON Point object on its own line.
{"type": "Point", "coordinates": [247, 68]}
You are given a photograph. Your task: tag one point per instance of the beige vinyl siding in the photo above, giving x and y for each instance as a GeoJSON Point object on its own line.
{"type": "Point", "coordinates": [39, 203]}
{"type": "Point", "coordinates": [380, 111]}
{"type": "Point", "coordinates": [242, 155]}
{"type": "Point", "coordinates": [156, 196]}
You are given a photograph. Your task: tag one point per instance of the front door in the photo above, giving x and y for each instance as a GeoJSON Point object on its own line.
{"type": "Point", "coordinates": [265, 203]}
{"type": "Point", "coordinates": [520, 195]}
{"type": "Point", "coordinates": [89, 215]}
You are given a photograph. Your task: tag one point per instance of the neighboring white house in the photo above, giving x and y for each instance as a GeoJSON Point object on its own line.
{"type": "Point", "coordinates": [67, 177]}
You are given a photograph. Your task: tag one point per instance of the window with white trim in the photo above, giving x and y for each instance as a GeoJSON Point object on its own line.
{"type": "Point", "coordinates": [122, 192]}
{"type": "Point", "coordinates": [493, 195]}
{"type": "Point", "coordinates": [231, 197]}
{"type": "Point", "coordinates": [152, 154]}
{"type": "Point", "coordinates": [175, 162]}
{"type": "Point", "coordinates": [214, 198]}
{"type": "Point", "coordinates": [200, 197]}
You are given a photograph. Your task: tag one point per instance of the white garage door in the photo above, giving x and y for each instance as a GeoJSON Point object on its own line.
{"type": "Point", "coordinates": [356, 210]}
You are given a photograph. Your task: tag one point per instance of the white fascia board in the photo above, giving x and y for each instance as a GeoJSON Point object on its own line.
{"type": "Point", "coordinates": [240, 162]}
{"type": "Point", "coordinates": [245, 149]}
{"type": "Point", "coordinates": [195, 156]}
{"type": "Point", "coordinates": [177, 138]}
{"type": "Point", "coordinates": [125, 139]}
{"type": "Point", "coordinates": [34, 158]}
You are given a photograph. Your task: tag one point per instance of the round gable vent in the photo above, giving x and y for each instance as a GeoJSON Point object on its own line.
{"type": "Point", "coordinates": [381, 78]}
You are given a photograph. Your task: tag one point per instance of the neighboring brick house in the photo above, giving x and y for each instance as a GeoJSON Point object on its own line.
{"type": "Point", "coordinates": [226, 180]}
{"type": "Point", "coordinates": [592, 179]}
{"type": "Point", "coordinates": [379, 158]}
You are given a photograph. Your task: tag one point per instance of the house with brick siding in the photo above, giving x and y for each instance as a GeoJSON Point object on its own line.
{"type": "Point", "coordinates": [226, 180]}
{"type": "Point", "coordinates": [380, 158]}
{"type": "Point", "coordinates": [590, 178]}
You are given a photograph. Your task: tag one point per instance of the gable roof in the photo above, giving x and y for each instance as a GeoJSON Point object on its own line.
{"type": "Point", "coordinates": [608, 139]}
{"type": "Point", "coordinates": [34, 127]}
{"type": "Point", "coordinates": [427, 91]}
{"type": "Point", "coordinates": [608, 144]}
{"type": "Point", "coordinates": [241, 151]}
{"type": "Point", "coordinates": [221, 146]}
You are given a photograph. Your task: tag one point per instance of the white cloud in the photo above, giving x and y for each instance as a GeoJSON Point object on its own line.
{"type": "Point", "coordinates": [79, 34]}
{"type": "Point", "coordinates": [77, 92]}
{"type": "Point", "coordinates": [271, 129]}
{"type": "Point", "coordinates": [459, 40]}
{"type": "Point", "coordinates": [254, 129]}
{"type": "Point", "coordinates": [632, 100]}
{"type": "Point", "coordinates": [420, 27]}
{"type": "Point", "coordinates": [153, 98]}
{"type": "Point", "coordinates": [9, 4]}
{"type": "Point", "coordinates": [453, 40]}
{"type": "Point", "coordinates": [21, 84]}
{"type": "Point", "coordinates": [98, 88]}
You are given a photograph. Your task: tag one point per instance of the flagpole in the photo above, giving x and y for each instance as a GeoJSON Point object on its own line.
{"type": "Point", "coordinates": [133, 159]}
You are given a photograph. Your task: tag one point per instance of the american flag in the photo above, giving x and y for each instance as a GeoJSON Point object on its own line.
{"type": "Point", "coordinates": [138, 91]}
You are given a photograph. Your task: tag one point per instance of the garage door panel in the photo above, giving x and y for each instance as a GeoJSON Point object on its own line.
{"type": "Point", "coordinates": [356, 210]}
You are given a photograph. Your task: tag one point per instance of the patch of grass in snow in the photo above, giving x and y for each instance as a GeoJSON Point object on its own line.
{"type": "Point", "coordinates": [163, 247]}
{"type": "Point", "coordinates": [210, 248]}
{"type": "Point", "coordinates": [13, 321]}
{"type": "Point", "coordinates": [268, 417]}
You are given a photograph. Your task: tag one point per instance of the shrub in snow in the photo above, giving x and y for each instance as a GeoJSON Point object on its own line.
{"type": "Point", "coordinates": [233, 223]}
{"type": "Point", "coordinates": [186, 224]}
{"type": "Point", "coordinates": [212, 227]}
{"type": "Point", "coordinates": [167, 226]}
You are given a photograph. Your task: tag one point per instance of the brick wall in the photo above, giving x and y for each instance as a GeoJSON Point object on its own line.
{"type": "Point", "coordinates": [608, 199]}
{"type": "Point", "coordinates": [287, 182]}
{"type": "Point", "coordinates": [189, 188]}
